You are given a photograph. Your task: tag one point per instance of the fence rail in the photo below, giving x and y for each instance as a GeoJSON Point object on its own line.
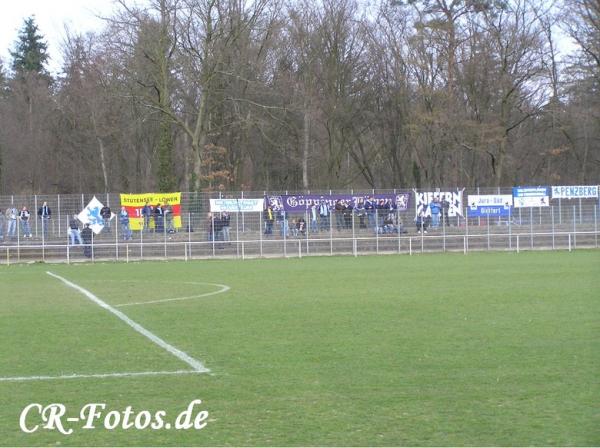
{"type": "Point", "coordinates": [566, 226]}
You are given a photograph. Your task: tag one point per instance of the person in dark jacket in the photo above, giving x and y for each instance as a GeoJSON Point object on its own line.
{"type": "Point", "coordinates": [159, 215]}
{"type": "Point", "coordinates": [44, 214]}
{"type": "Point", "coordinates": [106, 214]}
{"type": "Point", "coordinates": [86, 236]}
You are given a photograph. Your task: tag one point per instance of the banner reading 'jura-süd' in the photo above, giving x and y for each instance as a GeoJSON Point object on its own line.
{"type": "Point", "coordinates": [134, 203]}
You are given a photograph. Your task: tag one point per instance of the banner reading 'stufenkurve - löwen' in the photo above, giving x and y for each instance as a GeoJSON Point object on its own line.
{"type": "Point", "coordinates": [134, 203]}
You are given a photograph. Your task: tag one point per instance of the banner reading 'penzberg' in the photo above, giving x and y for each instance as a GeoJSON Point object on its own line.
{"type": "Point", "coordinates": [575, 192]}
{"type": "Point", "coordinates": [486, 205]}
{"type": "Point", "coordinates": [134, 203]}
{"type": "Point", "coordinates": [299, 203]}
{"type": "Point", "coordinates": [531, 197]}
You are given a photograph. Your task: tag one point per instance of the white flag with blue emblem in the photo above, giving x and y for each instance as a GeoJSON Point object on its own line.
{"type": "Point", "coordinates": [91, 215]}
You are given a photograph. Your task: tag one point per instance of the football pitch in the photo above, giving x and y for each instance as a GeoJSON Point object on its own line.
{"type": "Point", "coordinates": [441, 349]}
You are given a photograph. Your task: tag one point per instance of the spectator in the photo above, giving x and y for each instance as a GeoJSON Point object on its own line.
{"type": "Point", "coordinates": [370, 211]}
{"type": "Point", "coordinates": [360, 211]}
{"type": "Point", "coordinates": [347, 215]}
{"type": "Point", "coordinates": [269, 218]}
{"type": "Point", "coordinates": [217, 228]}
{"type": "Point", "coordinates": [225, 221]}
{"type": "Point", "coordinates": [284, 229]}
{"type": "Point", "coordinates": [11, 221]}
{"type": "Point", "coordinates": [445, 210]}
{"type": "Point", "coordinates": [421, 221]}
{"type": "Point", "coordinates": [87, 237]}
{"type": "Point", "coordinates": [169, 218]}
{"type": "Point", "coordinates": [147, 213]}
{"type": "Point", "coordinates": [210, 234]}
{"type": "Point", "coordinates": [313, 219]}
{"type": "Point", "coordinates": [124, 221]}
{"type": "Point", "coordinates": [388, 223]}
{"type": "Point", "coordinates": [324, 214]}
{"type": "Point", "coordinates": [159, 219]}
{"type": "Point", "coordinates": [339, 215]}
{"type": "Point", "coordinates": [45, 213]}
{"type": "Point", "coordinates": [2, 221]}
{"type": "Point", "coordinates": [74, 233]}
{"type": "Point", "coordinates": [301, 227]}
{"type": "Point", "coordinates": [435, 207]}
{"type": "Point", "coordinates": [24, 216]}
{"type": "Point", "coordinates": [106, 214]}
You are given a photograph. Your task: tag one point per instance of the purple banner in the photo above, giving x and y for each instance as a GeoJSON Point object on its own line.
{"type": "Point", "coordinates": [302, 202]}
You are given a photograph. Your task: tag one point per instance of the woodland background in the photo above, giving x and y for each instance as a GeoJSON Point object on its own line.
{"type": "Point", "coordinates": [208, 95]}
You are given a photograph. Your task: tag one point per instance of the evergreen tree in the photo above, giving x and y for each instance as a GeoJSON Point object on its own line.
{"type": "Point", "coordinates": [30, 52]}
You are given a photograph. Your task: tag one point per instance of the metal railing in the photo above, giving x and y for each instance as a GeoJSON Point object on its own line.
{"type": "Point", "coordinates": [567, 226]}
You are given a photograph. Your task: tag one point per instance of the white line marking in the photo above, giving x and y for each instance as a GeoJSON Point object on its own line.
{"type": "Point", "coordinates": [194, 363]}
{"type": "Point", "coordinates": [96, 375]}
{"type": "Point", "coordinates": [224, 288]}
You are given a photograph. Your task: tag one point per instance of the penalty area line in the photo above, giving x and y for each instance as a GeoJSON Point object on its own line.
{"type": "Point", "coordinates": [223, 288]}
{"type": "Point", "coordinates": [193, 363]}
{"type": "Point", "coordinates": [74, 376]}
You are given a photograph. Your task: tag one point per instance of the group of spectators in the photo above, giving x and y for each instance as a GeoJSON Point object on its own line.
{"type": "Point", "coordinates": [432, 214]}
{"type": "Point", "coordinates": [380, 215]}
{"type": "Point", "coordinates": [11, 217]}
{"type": "Point", "coordinates": [160, 215]}
{"type": "Point", "coordinates": [217, 226]}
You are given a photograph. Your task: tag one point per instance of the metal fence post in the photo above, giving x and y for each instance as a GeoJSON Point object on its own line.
{"type": "Point", "coordinates": [306, 229]}
{"type": "Point", "coordinates": [531, 226]}
{"type": "Point", "coordinates": [284, 230]}
{"type": "Point", "coordinates": [212, 230]}
{"type": "Point", "coordinates": [552, 210]}
{"type": "Point", "coordinates": [488, 232]}
{"type": "Point", "coordinates": [59, 213]}
{"type": "Point", "coordinates": [35, 216]}
{"type": "Point", "coordinates": [444, 231]}
{"type": "Point", "coordinates": [399, 230]}
{"type": "Point", "coordinates": [116, 226]}
{"type": "Point", "coordinates": [330, 232]}
{"type": "Point", "coordinates": [596, 225]}
{"type": "Point", "coordinates": [376, 231]}
{"type": "Point", "coordinates": [260, 233]}
{"type": "Point", "coordinates": [510, 227]}
{"type": "Point", "coordinates": [466, 230]}
{"type": "Point", "coordinates": [141, 243]}
{"type": "Point", "coordinates": [189, 229]}
{"type": "Point", "coordinates": [574, 227]}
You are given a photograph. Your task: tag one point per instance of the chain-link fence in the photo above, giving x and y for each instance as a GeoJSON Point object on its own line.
{"type": "Point", "coordinates": [564, 224]}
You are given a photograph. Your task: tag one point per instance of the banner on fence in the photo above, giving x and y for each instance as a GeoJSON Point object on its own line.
{"type": "Point", "coordinates": [134, 203]}
{"type": "Point", "coordinates": [452, 200]}
{"type": "Point", "coordinates": [91, 215]}
{"type": "Point", "coordinates": [486, 205]}
{"type": "Point", "coordinates": [302, 202]}
{"type": "Point", "coordinates": [575, 192]}
{"type": "Point", "coordinates": [531, 196]}
{"type": "Point", "coordinates": [237, 205]}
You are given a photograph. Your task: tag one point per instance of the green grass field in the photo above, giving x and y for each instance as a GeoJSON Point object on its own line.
{"type": "Point", "coordinates": [447, 349]}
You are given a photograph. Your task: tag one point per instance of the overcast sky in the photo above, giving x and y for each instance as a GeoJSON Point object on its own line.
{"type": "Point", "coordinates": [51, 16]}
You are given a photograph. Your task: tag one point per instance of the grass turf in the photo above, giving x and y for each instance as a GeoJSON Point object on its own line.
{"type": "Point", "coordinates": [447, 349]}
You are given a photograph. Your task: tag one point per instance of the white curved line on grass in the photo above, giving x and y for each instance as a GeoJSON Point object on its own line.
{"type": "Point", "coordinates": [223, 288]}
{"type": "Point", "coordinates": [183, 356]}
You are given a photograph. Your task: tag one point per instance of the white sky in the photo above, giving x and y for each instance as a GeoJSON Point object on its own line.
{"type": "Point", "coordinates": [79, 15]}
{"type": "Point", "coordinates": [51, 17]}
